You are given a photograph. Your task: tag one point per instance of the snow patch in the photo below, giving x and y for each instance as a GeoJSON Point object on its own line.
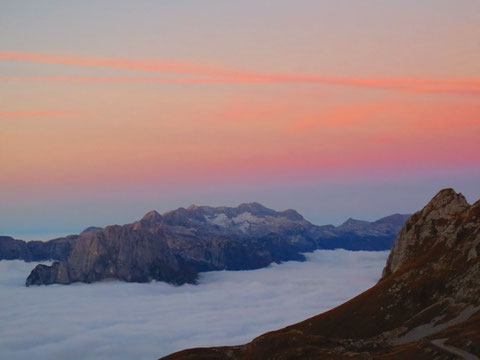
{"type": "Point", "coordinates": [219, 219]}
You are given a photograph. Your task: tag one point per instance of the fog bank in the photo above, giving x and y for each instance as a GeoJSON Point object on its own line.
{"type": "Point", "coordinates": [145, 321]}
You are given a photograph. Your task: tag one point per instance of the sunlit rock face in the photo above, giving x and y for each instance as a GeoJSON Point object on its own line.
{"type": "Point", "coordinates": [429, 292]}
{"type": "Point", "coordinates": [431, 226]}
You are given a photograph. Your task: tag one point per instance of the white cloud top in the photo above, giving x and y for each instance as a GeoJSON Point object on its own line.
{"type": "Point", "coordinates": [145, 321]}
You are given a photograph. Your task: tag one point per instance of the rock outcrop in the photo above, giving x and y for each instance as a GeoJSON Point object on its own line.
{"type": "Point", "coordinates": [118, 252]}
{"type": "Point", "coordinates": [426, 306]}
{"type": "Point", "coordinates": [428, 228]}
{"type": "Point", "coordinates": [188, 240]}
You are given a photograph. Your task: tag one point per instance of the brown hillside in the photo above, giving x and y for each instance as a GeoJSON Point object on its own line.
{"type": "Point", "coordinates": [430, 290]}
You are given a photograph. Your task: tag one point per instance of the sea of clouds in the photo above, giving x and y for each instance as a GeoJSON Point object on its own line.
{"type": "Point", "coordinates": [145, 321]}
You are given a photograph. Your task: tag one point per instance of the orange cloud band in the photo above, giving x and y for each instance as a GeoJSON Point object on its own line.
{"type": "Point", "coordinates": [223, 75]}
{"type": "Point", "coordinates": [387, 85]}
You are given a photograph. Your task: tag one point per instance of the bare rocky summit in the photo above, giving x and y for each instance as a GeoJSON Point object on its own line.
{"type": "Point", "coordinates": [426, 305]}
{"type": "Point", "coordinates": [427, 228]}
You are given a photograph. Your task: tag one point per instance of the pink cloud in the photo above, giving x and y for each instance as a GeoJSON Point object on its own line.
{"type": "Point", "coordinates": [217, 74]}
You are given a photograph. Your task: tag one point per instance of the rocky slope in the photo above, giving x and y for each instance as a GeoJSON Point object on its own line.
{"type": "Point", "coordinates": [426, 306]}
{"type": "Point", "coordinates": [176, 245]}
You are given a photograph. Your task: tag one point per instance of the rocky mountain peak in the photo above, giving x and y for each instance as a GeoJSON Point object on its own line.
{"type": "Point", "coordinates": [255, 208]}
{"type": "Point", "coordinates": [152, 216]}
{"type": "Point", "coordinates": [351, 221]}
{"type": "Point", "coordinates": [148, 221]}
{"type": "Point", "coordinates": [430, 226]}
{"type": "Point", "coordinates": [91, 229]}
{"type": "Point", "coordinates": [446, 203]}
{"type": "Point", "coordinates": [352, 224]}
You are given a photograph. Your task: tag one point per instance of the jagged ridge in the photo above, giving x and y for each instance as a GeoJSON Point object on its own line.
{"type": "Point", "coordinates": [176, 245]}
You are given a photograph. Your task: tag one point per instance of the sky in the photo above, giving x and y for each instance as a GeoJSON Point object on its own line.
{"type": "Point", "coordinates": [120, 320]}
{"type": "Point", "coordinates": [337, 109]}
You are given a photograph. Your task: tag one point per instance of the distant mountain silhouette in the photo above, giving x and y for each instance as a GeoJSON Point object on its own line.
{"type": "Point", "coordinates": [176, 245]}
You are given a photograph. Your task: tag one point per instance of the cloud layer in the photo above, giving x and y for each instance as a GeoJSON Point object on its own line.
{"type": "Point", "coordinates": [146, 321]}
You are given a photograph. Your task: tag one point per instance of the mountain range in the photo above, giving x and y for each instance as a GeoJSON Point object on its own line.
{"type": "Point", "coordinates": [425, 306]}
{"type": "Point", "coordinates": [175, 246]}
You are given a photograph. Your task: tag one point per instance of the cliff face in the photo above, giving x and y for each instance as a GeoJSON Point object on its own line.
{"type": "Point", "coordinates": [118, 253]}
{"type": "Point", "coordinates": [174, 246]}
{"type": "Point", "coordinates": [429, 228]}
{"type": "Point", "coordinates": [430, 291]}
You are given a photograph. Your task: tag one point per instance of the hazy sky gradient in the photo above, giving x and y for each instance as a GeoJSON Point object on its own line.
{"type": "Point", "coordinates": [335, 108]}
